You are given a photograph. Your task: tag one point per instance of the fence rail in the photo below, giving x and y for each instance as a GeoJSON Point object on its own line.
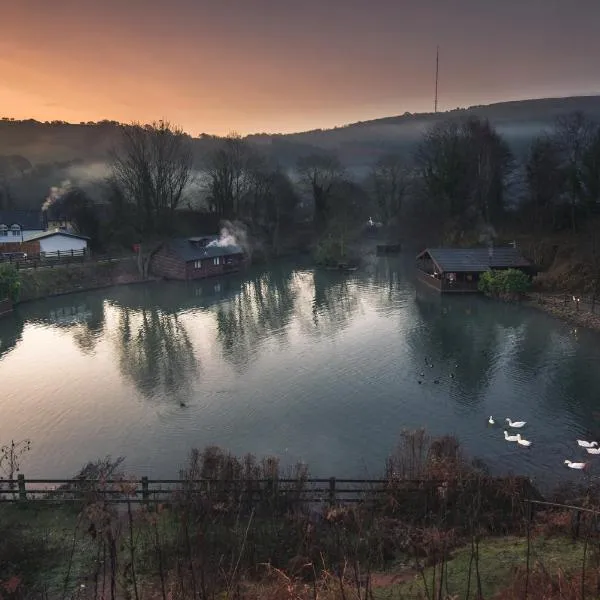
{"type": "Point", "coordinates": [60, 257]}
{"type": "Point", "coordinates": [329, 490]}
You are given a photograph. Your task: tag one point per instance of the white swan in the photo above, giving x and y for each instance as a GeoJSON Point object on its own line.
{"type": "Point", "coordinates": [574, 465]}
{"type": "Point", "coordinates": [593, 450]}
{"type": "Point", "coordinates": [516, 423]}
{"type": "Point", "coordinates": [510, 438]}
{"type": "Point", "coordinates": [585, 444]}
{"type": "Point", "coordinates": [521, 441]}
{"type": "Point", "coordinates": [491, 420]}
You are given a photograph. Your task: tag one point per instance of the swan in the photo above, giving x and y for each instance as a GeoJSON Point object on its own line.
{"type": "Point", "coordinates": [585, 444]}
{"type": "Point", "coordinates": [491, 420]}
{"type": "Point", "coordinates": [516, 423]}
{"type": "Point", "coordinates": [510, 438]}
{"type": "Point", "coordinates": [574, 465]}
{"type": "Point", "coordinates": [593, 450]}
{"type": "Point", "coordinates": [523, 442]}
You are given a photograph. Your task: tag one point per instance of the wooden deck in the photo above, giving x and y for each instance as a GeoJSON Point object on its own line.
{"type": "Point", "coordinates": [445, 287]}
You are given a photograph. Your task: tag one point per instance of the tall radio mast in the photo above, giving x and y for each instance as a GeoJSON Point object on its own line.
{"type": "Point", "coordinates": [437, 74]}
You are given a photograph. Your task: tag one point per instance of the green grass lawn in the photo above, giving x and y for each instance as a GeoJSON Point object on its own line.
{"type": "Point", "coordinates": [498, 558]}
{"type": "Point", "coordinates": [36, 542]}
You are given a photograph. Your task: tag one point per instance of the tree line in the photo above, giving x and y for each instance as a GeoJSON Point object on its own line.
{"type": "Point", "coordinates": [461, 181]}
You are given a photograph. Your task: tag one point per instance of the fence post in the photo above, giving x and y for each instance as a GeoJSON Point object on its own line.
{"type": "Point", "coordinates": [21, 487]}
{"type": "Point", "coordinates": [145, 490]}
{"type": "Point", "coordinates": [332, 491]}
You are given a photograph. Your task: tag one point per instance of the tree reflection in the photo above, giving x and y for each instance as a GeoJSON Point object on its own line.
{"type": "Point", "coordinates": [156, 354]}
{"type": "Point", "coordinates": [261, 309]}
{"type": "Point", "coordinates": [328, 302]}
{"type": "Point", "coordinates": [461, 336]}
{"type": "Point", "coordinates": [11, 332]}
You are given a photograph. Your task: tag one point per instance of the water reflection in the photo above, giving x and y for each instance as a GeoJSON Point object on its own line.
{"type": "Point", "coordinates": [262, 309]}
{"type": "Point", "coordinates": [83, 316]}
{"type": "Point", "coordinates": [308, 364]}
{"type": "Point", "coordinates": [457, 335]}
{"type": "Point", "coordinates": [156, 354]}
{"type": "Point", "coordinates": [11, 332]}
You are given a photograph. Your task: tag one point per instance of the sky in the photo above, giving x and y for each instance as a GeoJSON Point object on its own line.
{"type": "Point", "coordinates": [219, 66]}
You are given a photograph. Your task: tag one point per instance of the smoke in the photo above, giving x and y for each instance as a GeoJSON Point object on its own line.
{"type": "Point", "coordinates": [487, 234]}
{"type": "Point", "coordinates": [232, 234]}
{"type": "Point", "coordinates": [55, 194]}
{"type": "Point", "coordinates": [88, 173]}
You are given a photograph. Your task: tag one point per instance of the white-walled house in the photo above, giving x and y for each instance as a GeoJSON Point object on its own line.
{"type": "Point", "coordinates": [60, 241]}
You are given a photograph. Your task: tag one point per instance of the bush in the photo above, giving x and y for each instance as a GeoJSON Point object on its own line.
{"type": "Point", "coordinates": [10, 283]}
{"type": "Point", "coordinates": [507, 283]}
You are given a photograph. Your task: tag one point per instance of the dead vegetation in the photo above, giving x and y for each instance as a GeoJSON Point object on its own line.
{"type": "Point", "coordinates": [439, 528]}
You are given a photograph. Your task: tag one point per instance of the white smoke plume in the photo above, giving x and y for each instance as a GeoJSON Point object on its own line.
{"type": "Point", "coordinates": [55, 194]}
{"type": "Point", "coordinates": [88, 173]}
{"type": "Point", "coordinates": [232, 234]}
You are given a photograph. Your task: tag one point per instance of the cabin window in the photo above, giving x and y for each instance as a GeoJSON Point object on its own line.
{"type": "Point", "coordinates": [217, 260]}
{"type": "Point", "coordinates": [3, 230]}
{"type": "Point", "coordinates": [16, 230]}
{"type": "Point", "coordinates": [197, 264]}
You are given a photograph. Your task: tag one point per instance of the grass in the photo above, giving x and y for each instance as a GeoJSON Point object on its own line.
{"type": "Point", "coordinates": [498, 560]}
{"type": "Point", "coordinates": [36, 539]}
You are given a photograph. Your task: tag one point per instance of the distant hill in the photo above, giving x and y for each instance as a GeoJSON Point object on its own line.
{"type": "Point", "coordinates": [60, 150]}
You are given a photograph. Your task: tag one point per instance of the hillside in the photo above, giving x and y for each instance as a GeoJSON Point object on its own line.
{"type": "Point", "coordinates": [59, 150]}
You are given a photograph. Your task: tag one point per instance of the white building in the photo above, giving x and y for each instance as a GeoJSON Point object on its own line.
{"type": "Point", "coordinates": [60, 241]}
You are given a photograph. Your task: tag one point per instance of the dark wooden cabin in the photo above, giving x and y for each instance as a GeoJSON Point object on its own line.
{"type": "Point", "coordinates": [458, 269]}
{"type": "Point", "coordinates": [196, 258]}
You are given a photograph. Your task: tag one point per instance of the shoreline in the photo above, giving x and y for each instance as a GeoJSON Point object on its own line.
{"type": "Point", "coordinates": [552, 303]}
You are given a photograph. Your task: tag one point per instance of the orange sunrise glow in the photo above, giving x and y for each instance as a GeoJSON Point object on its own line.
{"type": "Point", "coordinates": [257, 66]}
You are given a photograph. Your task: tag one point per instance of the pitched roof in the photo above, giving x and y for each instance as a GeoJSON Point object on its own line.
{"type": "Point", "coordinates": [27, 219]}
{"type": "Point", "coordinates": [189, 249]}
{"type": "Point", "coordinates": [47, 234]}
{"type": "Point", "coordinates": [474, 260]}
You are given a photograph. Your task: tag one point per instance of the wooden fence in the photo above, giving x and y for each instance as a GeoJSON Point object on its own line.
{"type": "Point", "coordinates": [51, 259]}
{"type": "Point", "coordinates": [330, 490]}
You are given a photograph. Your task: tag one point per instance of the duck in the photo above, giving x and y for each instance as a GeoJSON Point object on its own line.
{"type": "Point", "coordinates": [593, 450]}
{"type": "Point", "coordinates": [510, 438]}
{"type": "Point", "coordinates": [523, 442]}
{"type": "Point", "coordinates": [451, 375]}
{"type": "Point", "coordinates": [436, 381]}
{"type": "Point", "coordinates": [516, 424]}
{"type": "Point", "coordinates": [491, 420]}
{"type": "Point", "coordinates": [575, 465]}
{"type": "Point", "coordinates": [421, 374]}
{"type": "Point", "coordinates": [585, 444]}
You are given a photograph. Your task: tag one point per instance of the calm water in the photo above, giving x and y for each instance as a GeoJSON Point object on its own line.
{"type": "Point", "coordinates": [307, 365]}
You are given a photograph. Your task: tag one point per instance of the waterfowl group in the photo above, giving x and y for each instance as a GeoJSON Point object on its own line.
{"type": "Point", "coordinates": [590, 447]}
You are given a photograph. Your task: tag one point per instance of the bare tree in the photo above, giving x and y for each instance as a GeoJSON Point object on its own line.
{"type": "Point", "coordinates": [389, 183]}
{"type": "Point", "coordinates": [545, 184]}
{"type": "Point", "coordinates": [462, 169]}
{"type": "Point", "coordinates": [319, 173]}
{"type": "Point", "coordinates": [227, 170]}
{"type": "Point", "coordinates": [573, 136]}
{"type": "Point", "coordinates": [153, 166]}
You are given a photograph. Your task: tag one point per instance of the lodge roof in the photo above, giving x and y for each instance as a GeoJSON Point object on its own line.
{"type": "Point", "coordinates": [47, 234]}
{"type": "Point", "coordinates": [474, 260]}
{"type": "Point", "coordinates": [197, 248]}
{"type": "Point", "coordinates": [26, 219]}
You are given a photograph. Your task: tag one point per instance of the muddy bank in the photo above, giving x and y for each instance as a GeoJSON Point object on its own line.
{"type": "Point", "coordinates": [555, 305]}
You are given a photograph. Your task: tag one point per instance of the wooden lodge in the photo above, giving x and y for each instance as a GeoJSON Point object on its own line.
{"type": "Point", "coordinates": [457, 270]}
{"type": "Point", "coordinates": [196, 258]}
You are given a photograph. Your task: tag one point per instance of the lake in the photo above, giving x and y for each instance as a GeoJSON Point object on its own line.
{"type": "Point", "coordinates": [305, 364]}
